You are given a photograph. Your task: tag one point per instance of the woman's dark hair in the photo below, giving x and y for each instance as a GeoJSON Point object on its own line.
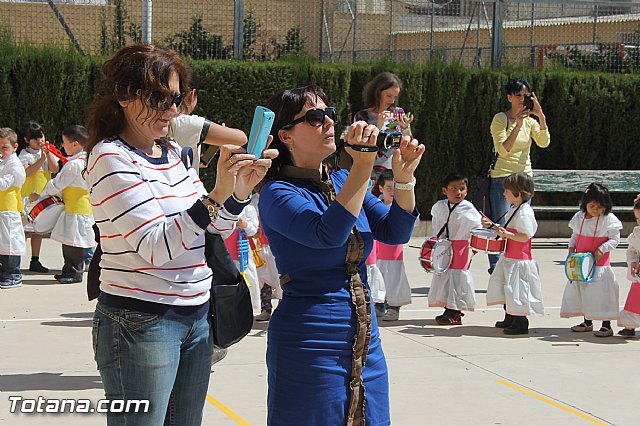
{"type": "Point", "coordinates": [76, 133]}
{"type": "Point", "coordinates": [286, 104]}
{"type": "Point", "coordinates": [382, 81]}
{"type": "Point", "coordinates": [384, 177]}
{"type": "Point", "coordinates": [139, 71]}
{"type": "Point", "coordinates": [515, 85]}
{"type": "Point", "coordinates": [598, 193]}
{"type": "Point", "coordinates": [454, 177]}
{"type": "Point", "coordinates": [521, 184]}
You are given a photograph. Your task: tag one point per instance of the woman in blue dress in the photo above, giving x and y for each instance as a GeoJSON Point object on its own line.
{"type": "Point", "coordinates": [324, 356]}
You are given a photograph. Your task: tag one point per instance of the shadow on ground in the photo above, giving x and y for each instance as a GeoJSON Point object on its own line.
{"type": "Point", "coordinates": [47, 381]}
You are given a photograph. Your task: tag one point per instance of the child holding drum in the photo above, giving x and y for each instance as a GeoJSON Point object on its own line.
{"type": "Point", "coordinates": [74, 226]}
{"type": "Point", "coordinates": [596, 231]}
{"type": "Point", "coordinates": [515, 282]}
{"type": "Point", "coordinates": [454, 218]}
{"type": "Point", "coordinates": [12, 244]}
{"type": "Point", "coordinates": [630, 315]}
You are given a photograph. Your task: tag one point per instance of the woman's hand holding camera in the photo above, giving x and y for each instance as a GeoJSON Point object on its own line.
{"type": "Point", "coordinates": [238, 172]}
{"type": "Point", "coordinates": [362, 134]}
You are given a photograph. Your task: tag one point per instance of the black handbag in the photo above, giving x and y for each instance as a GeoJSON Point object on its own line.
{"type": "Point", "coordinates": [230, 302]}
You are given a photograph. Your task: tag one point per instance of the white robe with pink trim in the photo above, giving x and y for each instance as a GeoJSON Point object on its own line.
{"type": "Point", "coordinates": [630, 315]}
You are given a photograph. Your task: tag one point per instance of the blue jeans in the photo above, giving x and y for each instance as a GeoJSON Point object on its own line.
{"type": "Point", "coordinates": [10, 269]}
{"type": "Point", "coordinates": [499, 206]}
{"type": "Point", "coordinates": [165, 360]}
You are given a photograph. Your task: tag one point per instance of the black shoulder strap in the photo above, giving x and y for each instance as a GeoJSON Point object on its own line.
{"type": "Point", "coordinates": [204, 131]}
{"type": "Point", "coordinates": [446, 225]}
{"type": "Point", "coordinates": [186, 155]}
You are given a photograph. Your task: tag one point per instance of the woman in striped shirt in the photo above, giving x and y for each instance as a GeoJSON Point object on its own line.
{"type": "Point", "coordinates": [151, 335]}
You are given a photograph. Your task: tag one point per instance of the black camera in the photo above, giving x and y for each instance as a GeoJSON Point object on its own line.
{"type": "Point", "coordinates": [388, 140]}
{"type": "Point", "coordinates": [528, 101]}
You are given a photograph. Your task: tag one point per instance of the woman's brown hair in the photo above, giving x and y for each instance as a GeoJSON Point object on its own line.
{"type": "Point", "coordinates": [139, 71]}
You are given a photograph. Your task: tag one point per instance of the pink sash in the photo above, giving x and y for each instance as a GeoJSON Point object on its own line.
{"type": "Point", "coordinates": [633, 299]}
{"type": "Point", "coordinates": [390, 252]}
{"type": "Point", "coordinates": [232, 244]}
{"type": "Point", "coordinates": [373, 256]}
{"type": "Point", "coordinates": [460, 259]}
{"type": "Point", "coordinates": [518, 250]}
{"type": "Point", "coordinates": [587, 244]}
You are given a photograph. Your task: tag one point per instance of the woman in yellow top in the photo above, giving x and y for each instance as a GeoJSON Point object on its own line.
{"type": "Point", "coordinates": [39, 164]}
{"type": "Point", "coordinates": [512, 132]}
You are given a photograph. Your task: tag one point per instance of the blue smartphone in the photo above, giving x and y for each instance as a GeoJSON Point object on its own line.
{"type": "Point", "coordinates": [260, 129]}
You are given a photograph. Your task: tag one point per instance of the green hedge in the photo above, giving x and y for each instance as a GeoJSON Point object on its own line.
{"type": "Point", "coordinates": [592, 116]}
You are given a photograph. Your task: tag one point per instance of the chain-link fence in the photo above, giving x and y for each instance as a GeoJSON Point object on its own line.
{"type": "Point", "coordinates": [583, 34]}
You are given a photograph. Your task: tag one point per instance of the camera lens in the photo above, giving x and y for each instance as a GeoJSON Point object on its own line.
{"type": "Point", "coordinates": [388, 140]}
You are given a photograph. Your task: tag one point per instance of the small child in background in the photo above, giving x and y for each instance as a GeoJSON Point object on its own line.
{"type": "Point", "coordinates": [454, 218]}
{"type": "Point", "coordinates": [391, 260]}
{"type": "Point", "coordinates": [595, 230]}
{"type": "Point", "coordinates": [267, 272]}
{"type": "Point", "coordinates": [12, 242]}
{"type": "Point", "coordinates": [630, 315]}
{"type": "Point", "coordinates": [74, 226]}
{"type": "Point", "coordinates": [39, 164]}
{"type": "Point", "coordinates": [515, 281]}
{"type": "Point", "coordinates": [374, 276]}
{"type": "Point", "coordinates": [248, 223]}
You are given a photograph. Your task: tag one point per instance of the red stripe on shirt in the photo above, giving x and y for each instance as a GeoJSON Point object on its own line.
{"type": "Point", "coordinates": [99, 157]}
{"type": "Point", "coordinates": [156, 292]}
{"type": "Point", "coordinates": [143, 224]}
{"type": "Point", "coordinates": [115, 194]}
{"type": "Point", "coordinates": [158, 168]}
{"type": "Point", "coordinates": [177, 196]}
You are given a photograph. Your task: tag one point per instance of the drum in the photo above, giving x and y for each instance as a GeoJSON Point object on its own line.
{"type": "Point", "coordinates": [45, 213]}
{"type": "Point", "coordinates": [436, 255]}
{"type": "Point", "coordinates": [487, 240]}
{"type": "Point", "coordinates": [580, 267]}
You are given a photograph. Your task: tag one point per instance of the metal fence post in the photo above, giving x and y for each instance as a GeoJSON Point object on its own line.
{"type": "Point", "coordinates": [238, 29]}
{"type": "Point", "coordinates": [498, 33]}
{"type": "Point", "coordinates": [147, 20]}
{"type": "Point", "coordinates": [355, 31]}
{"type": "Point", "coordinates": [391, 26]}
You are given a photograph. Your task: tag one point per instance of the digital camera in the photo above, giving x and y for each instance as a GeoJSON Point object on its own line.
{"type": "Point", "coordinates": [387, 140]}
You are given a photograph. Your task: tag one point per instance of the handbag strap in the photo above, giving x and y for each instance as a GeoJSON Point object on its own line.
{"type": "Point", "coordinates": [494, 158]}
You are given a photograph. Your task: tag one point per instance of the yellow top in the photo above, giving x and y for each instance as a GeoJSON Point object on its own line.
{"type": "Point", "coordinates": [518, 159]}
{"type": "Point", "coordinates": [11, 200]}
{"type": "Point", "coordinates": [76, 200]}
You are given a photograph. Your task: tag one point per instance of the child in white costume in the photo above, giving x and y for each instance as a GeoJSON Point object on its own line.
{"type": "Point", "coordinates": [454, 218]}
{"type": "Point", "coordinates": [390, 260]}
{"type": "Point", "coordinates": [74, 226]}
{"type": "Point", "coordinates": [630, 315]}
{"type": "Point", "coordinates": [247, 222]}
{"type": "Point", "coordinates": [12, 242]}
{"type": "Point", "coordinates": [595, 230]}
{"type": "Point", "coordinates": [515, 281]}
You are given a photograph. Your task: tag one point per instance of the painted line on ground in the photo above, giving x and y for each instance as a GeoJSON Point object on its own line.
{"type": "Point", "coordinates": [554, 403]}
{"type": "Point", "coordinates": [226, 410]}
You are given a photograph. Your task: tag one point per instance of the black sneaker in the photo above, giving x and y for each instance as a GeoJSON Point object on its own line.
{"type": "Point", "coordinates": [519, 325]}
{"type": "Point", "coordinates": [36, 266]}
{"type": "Point", "coordinates": [506, 322]}
{"type": "Point", "coordinates": [67, 280]}
{"type": "Point", "coordinates": [627, 332]}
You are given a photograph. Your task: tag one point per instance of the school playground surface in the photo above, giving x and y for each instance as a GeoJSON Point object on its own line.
{"type": "Point", "coordinates": [459, 375]}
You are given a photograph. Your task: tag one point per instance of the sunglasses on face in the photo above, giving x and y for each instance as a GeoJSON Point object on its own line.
{"type": "Point", "coordinates": [163, 104]}
{"type": "Point", "coordinates": [314, 117]}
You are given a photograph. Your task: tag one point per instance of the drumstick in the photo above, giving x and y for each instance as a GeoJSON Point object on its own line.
{"type": "Point", "coordinates": [492, 222]}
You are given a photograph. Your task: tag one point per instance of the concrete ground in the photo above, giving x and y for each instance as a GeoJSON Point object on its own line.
{"type": "Point", "coordinates": [459, 375]}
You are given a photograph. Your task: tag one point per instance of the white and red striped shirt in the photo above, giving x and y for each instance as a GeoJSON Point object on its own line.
{"type": "Point", "coordinates": [150, 221]}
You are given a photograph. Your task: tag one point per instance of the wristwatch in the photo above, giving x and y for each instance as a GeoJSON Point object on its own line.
{"type": "Point", "coordinates": [407, 186]}
{"type": "Point", "coordinates": [212, 207]}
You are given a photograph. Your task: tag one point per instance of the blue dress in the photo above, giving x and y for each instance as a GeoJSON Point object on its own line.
{"type": "Point", "coordinates": [310, 342]}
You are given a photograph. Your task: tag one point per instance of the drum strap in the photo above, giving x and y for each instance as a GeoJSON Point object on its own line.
{"type": "Point", "coordinates": [446, 225]}
{"type": "Point", "coordinates": [512, 216]}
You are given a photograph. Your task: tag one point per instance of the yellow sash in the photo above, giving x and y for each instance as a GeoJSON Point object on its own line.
{"type": "Point", "coordinates": [36, 182]}
{"type": "Point", "coordinates": [76, 200]}
{"type": "Point", "coordinates": [10, 200]}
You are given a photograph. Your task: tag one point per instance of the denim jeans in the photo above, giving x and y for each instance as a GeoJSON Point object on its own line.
{"type": "Point", "coordinates": [165, 360]}
{"type": "Point", "coordinates": [499, 206]}
{"type": "Point", "coordinates": [10, 269]}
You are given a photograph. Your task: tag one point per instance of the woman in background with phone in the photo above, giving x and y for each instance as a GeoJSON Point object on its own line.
{"type": "Point", "coordinates": [380, 96]}
{"type": "Point", "coordinates": [512, 132]}
{"type": "Point", "coordinates": [324, 355]}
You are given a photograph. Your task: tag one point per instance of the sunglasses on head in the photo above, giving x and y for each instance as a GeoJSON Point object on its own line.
{"type": "Point", "coordinates": [314, 117]}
